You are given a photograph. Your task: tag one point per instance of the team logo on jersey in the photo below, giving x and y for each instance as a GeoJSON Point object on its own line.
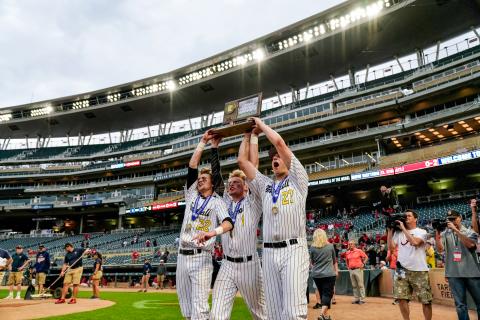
{"type": "Point", "coordinates": [268, 189]}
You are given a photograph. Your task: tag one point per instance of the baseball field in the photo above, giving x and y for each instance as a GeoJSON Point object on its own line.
{"type": "Point", "coordinates": [128, 304]}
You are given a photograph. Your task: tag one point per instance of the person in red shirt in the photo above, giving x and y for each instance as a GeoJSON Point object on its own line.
{"type": "Point", "coordinates": [135, 256]}
{"type": "Point", "coordinates": [356, 259]}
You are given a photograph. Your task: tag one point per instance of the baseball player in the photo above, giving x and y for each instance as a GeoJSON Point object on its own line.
{"type": "Point", "coordinates": [42, 266]}
{"type": "Point", "coordinates": [72, 262]}
{"type": "Point", "coordinates": [18, 265]}
{"type": "Point", "coordinates": [240, 269]}
{"type": "Point", "coordinates": [204, 210]}
{"type": "Point", "coordinates": [285, 253]}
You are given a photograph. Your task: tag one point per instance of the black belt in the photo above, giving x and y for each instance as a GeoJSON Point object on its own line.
{"type": "Point", "coordinates": [281, 244]}
{"type": "Point", "coordinates": [190, 252]}
{"type": "Point", "coordinates": [239, 260]}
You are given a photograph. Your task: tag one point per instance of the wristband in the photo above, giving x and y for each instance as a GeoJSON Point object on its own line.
{"type": "Point", "coordinates": [201, 146]}
{"type": "Point", "coordinates": [219, 230]}
{"type": "Point", "coordinates": [254, 139]}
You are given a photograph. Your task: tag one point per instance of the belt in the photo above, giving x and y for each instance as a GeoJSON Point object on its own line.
{"type": "Point", "coordinates": [239, 260]}
{"type": "Point", "coordinates": [190, 252]}
{"type": "Point", "coordinates": [281, 244]}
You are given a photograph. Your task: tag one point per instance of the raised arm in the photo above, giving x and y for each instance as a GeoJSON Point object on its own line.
{"type": "Point", "coordinates": [253, 148]}
{"type": "Point", "coordinates": [195, 159]}
{"type": "Point", "coordinates": [276, 140]}
{"type": "Point", "coordinates": [473, 206]}
{"type": "Point", "coordinates": [243, 162]}
{"type": "Point", "coordinates": [218, 184]}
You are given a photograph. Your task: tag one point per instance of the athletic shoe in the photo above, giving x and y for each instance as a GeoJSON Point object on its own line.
{"type": "Point", "coordinates": [361, 302]}
{"type": "Point", "coordinates": [317, 306]}
{"type": "Point", "coordinates": [60, 301]}
{"type": "Point", "coordinates": [355, 302]}
{"type": "Point", "coordinates": [140, 290]}
{"type": "Point", "coordinates": [334, 301]}
{"type": "Point", "coordinates": [145, 290]}
{"type": "Point", "coordinates": [395, 302]}
{"type": "Point", "coordinates": [322, 317]}
{"type": "Point", "coordinates": [72, 301]}
{"type": "Point", "coordinates": [18, 298]}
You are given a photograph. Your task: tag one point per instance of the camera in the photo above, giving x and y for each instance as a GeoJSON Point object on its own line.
{"type": "Point", "coordinates": [441, 224]}
{"type": "Point", "coordinates": [392, 223]}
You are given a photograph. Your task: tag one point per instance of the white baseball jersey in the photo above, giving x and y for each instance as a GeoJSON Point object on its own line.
{"type": "Point", "coordinates": [285, 269]}
{"type": "Point", "coordinates": [213, 214]}
{"type": "Point", "coordinates": [194, 272]}
{"type": "Point", "coordinates": [246, 276]}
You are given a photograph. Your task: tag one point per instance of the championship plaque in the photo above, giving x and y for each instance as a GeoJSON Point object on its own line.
{"type": "Point", "coordinates": [237, 112]}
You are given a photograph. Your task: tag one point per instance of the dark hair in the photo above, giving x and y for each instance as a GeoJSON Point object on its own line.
{"type": "Point", "coordinates": [97, 254]}
{"type": "Point", "coordinates": [272, 152]}
{"type": "Point", "coordinates": [413, 212]}
{"type": "Point", "coordinates": [68, 244]}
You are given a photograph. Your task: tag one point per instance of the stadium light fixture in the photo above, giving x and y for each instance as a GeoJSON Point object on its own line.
{"type": "Point", "coordinates": [454, 132]}
{"type": "Point", "coordinates": [80, 104]}
{"type": "Point", "coordinates": [153, 88]}
{"type": "Point", "coordinates": [41, 111]}
{"type": "Point", "coordinates": [469, 129]}
{"type": "Point", "coordinates": [113, 97]}
{"type": "Point", "coordinates": [440, 136]}
{"type": "Point", "coordinates": [422, 136]}
{"type": "Point", "coordinates": [5, 117]}
{"type": "Point", "coordinates": [258, 54]}
{"type": "Point", "coordinates": [461, 122]}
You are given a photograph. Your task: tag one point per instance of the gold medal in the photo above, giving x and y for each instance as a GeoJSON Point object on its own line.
{"type": "Point", "coordinates": [274, 209]}
{"type": "Point", "coordinates": [188, 227]}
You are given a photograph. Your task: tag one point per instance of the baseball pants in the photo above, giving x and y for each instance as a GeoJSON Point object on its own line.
{"type": "Point", "coordinates": [194, 274]}
{"type": "Point", "coordinates": [285, 272]}
{"type": "Point", "coordinates": [245, 277]}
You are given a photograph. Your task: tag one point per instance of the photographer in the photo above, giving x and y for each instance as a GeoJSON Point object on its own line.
{"type": "Point", "coordinates": [462, 268]}
{"type": "Point", "coordinates": [475, 222]}
{"type": "Point", "coordinates": [412, 270]}
{"type": "Point", "coordinates": [388, 200]}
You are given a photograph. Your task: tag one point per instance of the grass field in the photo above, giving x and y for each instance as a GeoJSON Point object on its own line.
{"type": "Point", "coordinates": [140, 306]}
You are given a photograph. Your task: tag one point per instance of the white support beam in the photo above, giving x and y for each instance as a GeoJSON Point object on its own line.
{"type": "Point", "coordinates": [475, 31]}
{"type": "Point", "coordinates": [212, 116]}
{"type": "Point", "coordinates": [399, 64]}
{"type": "Point", "coordinates": [130, 135]}
{"type": "Point", "coordinates": [190, 123]}
{"type": "Point", "coordinates": [279, 99]}
{"type": "Point", "coordinates": [170, 127]}
{"type": "Point", "coordinates": [149, 132]}
{"type": "Point", "coordinates": [26, 141]}
{"type": "Point", "coordinates": [48, 141]}
{"type": "Point", "coordinates": [420, 59]}
{"type": "Point", "coordinates": [306, 90]}
{"type": "Point", "coordinates": [109, 137]}
{"type": "Point", "coordinates": [366, 73]}
{"type": "Point", "coordinates": [334, 82]}
{"type": "Point", "coordinates": [351, 77]}
{"type": "Point", "coordinates": [437, 51]}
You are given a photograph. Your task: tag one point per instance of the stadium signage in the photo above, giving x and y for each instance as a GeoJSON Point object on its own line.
{"type": "Point", "coordinates": [91, 202]}
{"type": "Point", "coordinates": [365, 175]}
{"type": "Point", "coordinates": [126, 164]}
{"type": "Point", "coordinates": [329, 180]}
{"type": "Point", "coordinates": [459, 157]}
{"type": "Point", "coordinates": [170, 175]}
{"type": "Point", "coordinates": [155, 207]}
{"type": "Point", "coordinates": [163, 206]}
{"type": "Point", "coordinates": [417, 166]}
{"type": "Point", "coordinates": [42, 206]}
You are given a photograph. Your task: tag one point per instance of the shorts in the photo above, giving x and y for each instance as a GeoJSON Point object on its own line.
{"type": "Point", "coordinates": [40, 278]}
{"type": "Point", "coordinates": [15, 278]}
{"type": "Point", "coordinates": [161, 278]}
{"type": "Point", "coordinates": [414, 280]}
{"type": "Point", "coordinates": [97, 276]}
{"type": "Point", "coordinates": [73, 276]}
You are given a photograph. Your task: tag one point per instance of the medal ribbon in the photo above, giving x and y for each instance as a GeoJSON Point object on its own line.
{"type": "Point", "coordinates": [233, 214]}
{"type": "Point", "coordinates": [196, 212]}
{"type": "Point", "coordinates": [276, 190]}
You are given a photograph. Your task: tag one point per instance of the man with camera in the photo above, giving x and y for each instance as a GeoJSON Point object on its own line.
{"type": "Point", "coordinates": [412, 270]}
{"type": "Point", "coordinates": [462, 268]}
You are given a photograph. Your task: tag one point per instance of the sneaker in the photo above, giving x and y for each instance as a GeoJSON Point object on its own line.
{"type": "Point", "coordinates": [145, 290]}
{"type": "Point", "coordinates": [140, 290]}
{"type": "Point", "coordinates": [72, 301]}
{"type": "Point", "coordinates": [322, 317]}
{"type": "Point", "coordinates": [361, 302]}
{"type": "Point", "coordinates": [334, 301]}
{"type": "Point", "coordinates": [317, 306]}
{"type": "Point", "coordinates": [60, 301]}
{"type": "Point", "coordinates": [18, 297]}
{"type": "Point", "coordinates": [94, 297]}
{"type": "Point", "coordinates": [395, 302]}
{"type": "Point", "coordinates": [355, 302]}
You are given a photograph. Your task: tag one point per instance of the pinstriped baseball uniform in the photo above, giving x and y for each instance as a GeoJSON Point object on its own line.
{"type": "Point", "coordinates": [246, 276]}
{"type": "Point", "coordinates": [194, 272]}
{"type": "Point", "coordinates": [285, 269]}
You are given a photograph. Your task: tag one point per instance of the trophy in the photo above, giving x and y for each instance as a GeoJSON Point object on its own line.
{"type": "Point", "coordinates": [236, 113]}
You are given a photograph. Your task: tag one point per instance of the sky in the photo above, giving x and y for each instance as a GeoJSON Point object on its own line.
{"type": "Point", "coordinates": [51, 49]}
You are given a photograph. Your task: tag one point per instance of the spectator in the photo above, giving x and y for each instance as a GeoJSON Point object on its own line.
{"type": "Point", "coordinates": [155, 244]}
{"type": "Point", "coordinates": [147, 270]}
{"type": "Point", "coordinates": [462, 268]}
{"type": "Point", "coordinates": [372, 256]}
{"type": "Point", "coordinates": [97, 274]}
{"type": "Point", "coordinates": [475, 220]}
{"type": "Point", "coordinates": [124, 244]}
{"type": "Point", "coordinates": [412, 269]}
{"type": "Point", "coordinates": [5, 261]}
{"type": "Point", "coordinates": [392, 263]}
{"type": "Point", "coordinates": [356, 259]}
{"type": "Point", "coordinates": [383, 265]}
{"type": "Point", "coordinates": [382, 253]}
{"type": "Point", "coordinates": [324, 270]}
{"type": "Point", "coordinates": [364, 239]}
{"type": "Point", "coordinates": [430, 255]}
{"type": "Point", "coordinates": [164, 256]}
{"type": "Point", "coordinates": [135, 256]}
{"type": "Point", "coordinates": [147, 243]}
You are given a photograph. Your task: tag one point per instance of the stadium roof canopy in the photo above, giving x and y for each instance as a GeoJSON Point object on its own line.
{"type": "Point", "coordinates": [347, 36]}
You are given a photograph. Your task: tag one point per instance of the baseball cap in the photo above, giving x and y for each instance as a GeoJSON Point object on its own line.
{"type": "Point", "coordinates": [41, 246]}
{"type": "Point", "coordinates": [453, 214]}
{"type": "Point", "coordinates": [68, 244]}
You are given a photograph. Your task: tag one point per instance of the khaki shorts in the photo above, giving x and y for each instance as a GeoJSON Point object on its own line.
{"type": "Point", "coordinates": [73, 276]}
{"type": "Point", "coordinates": [40, 278]}
{"type": "Point", "coordinates": [414, 280]}
{"type": "Point", "coordinates": [97, 276]}
{"type": "Point", "coordinates": [161, 278]}
{"type": "Point", "coordinates": [2, 274]}
{"type": "Point", "coordinates": [15, 278]}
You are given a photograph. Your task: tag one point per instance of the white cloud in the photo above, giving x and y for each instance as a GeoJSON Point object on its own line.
{"type": "Point", "coordinates": [51, 49]}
